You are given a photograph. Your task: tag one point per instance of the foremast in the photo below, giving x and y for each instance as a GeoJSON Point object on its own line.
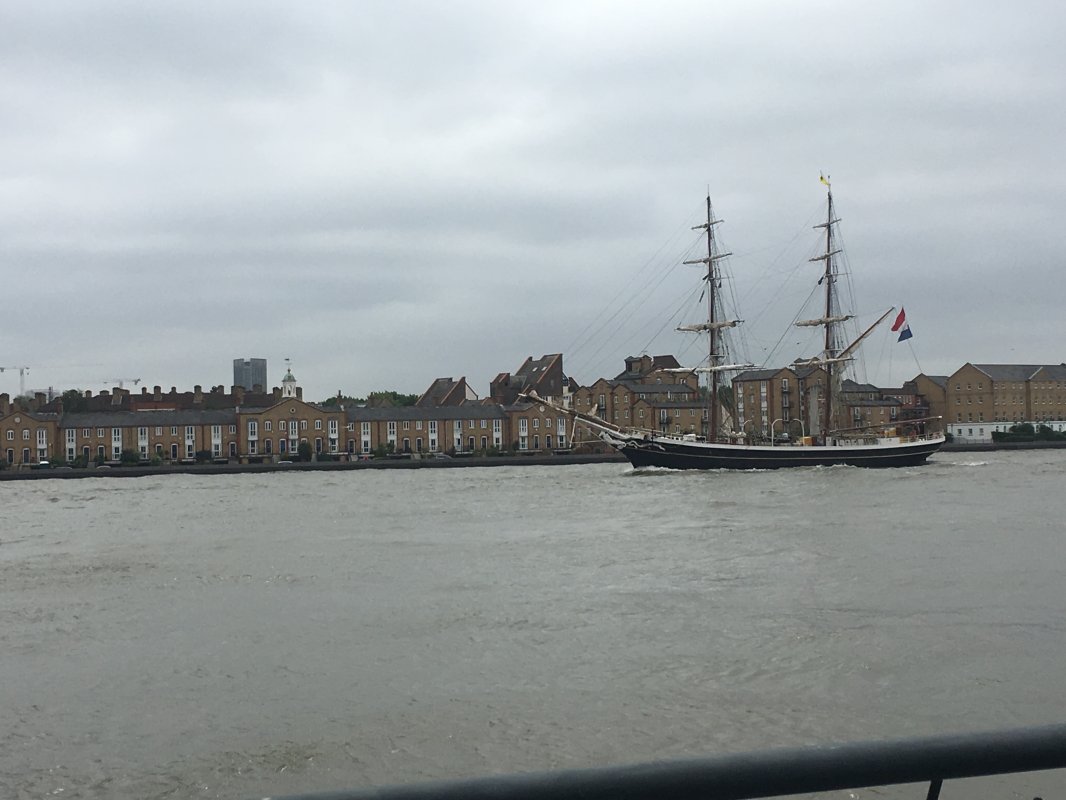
{"type": "Point", "coordinates": [713, 326]}
{"type": "Point", "coordinates": [833, 353]}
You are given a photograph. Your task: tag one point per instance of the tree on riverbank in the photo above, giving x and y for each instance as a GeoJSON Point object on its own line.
{"type": "Point", "coordinates": [383, 399]}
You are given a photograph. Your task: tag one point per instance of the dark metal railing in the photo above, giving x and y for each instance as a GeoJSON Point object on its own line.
{"type": "Point", "coordinates": [769, 773]}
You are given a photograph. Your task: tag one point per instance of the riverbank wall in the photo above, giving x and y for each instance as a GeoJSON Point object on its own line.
{"type": "Point", "coordinates": [308, 466]}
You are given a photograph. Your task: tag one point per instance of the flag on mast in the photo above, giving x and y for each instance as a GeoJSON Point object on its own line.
{"type": "Point", "coordinates": [902, 326]}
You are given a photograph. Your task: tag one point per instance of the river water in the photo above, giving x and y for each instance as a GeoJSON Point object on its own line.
{"type": "Point", "coordinates": [235, 636]}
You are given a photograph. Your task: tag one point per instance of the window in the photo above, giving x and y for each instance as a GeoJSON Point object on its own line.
{"type": "Point", "coordinates": [407, 424]}
{"type": "Point", "coordinates": [159, 430]}
{"type": "Point", "coordinates": [303, 424]}
{"type": "Point", "coordinates": [100, 431]}
{"type": "Point", "coordinates": [418, 427]}
{"type": "Point", "coordinates": [86, 432]}
{"type": "Point", "coordinates": [10, 435]}
{"type": "Point", "coordinates": [173, 432]}
{"type": "Point", "coordinates": [268, 425]}
{"type": "Point", "coordinates": [25, 434]}
{"type": "Point", "coordinates": [318, 424]}
{"type": "Point", "coordinates": [233, 429]}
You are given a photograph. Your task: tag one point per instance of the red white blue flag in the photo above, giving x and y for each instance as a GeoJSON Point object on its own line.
{"type": "Point", "coordinates": [902, 326]}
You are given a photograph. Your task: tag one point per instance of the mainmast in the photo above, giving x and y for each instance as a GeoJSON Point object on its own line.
{"type": "Point", "coordinates": [832, 318]}
{"type": "Point", "coordinates": [713, 325]}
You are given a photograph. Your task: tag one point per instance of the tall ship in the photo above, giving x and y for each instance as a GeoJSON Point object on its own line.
{"type": "Point", "coordinates": [832, 443]}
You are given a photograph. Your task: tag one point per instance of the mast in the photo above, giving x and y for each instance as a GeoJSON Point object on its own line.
{"type": "Point", "coordinates": [832, 319]}
{"type": "Point", "coordinates": [713, 325]}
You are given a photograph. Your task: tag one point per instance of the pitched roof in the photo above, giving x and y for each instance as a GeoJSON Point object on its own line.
{"type": "Point", "coordinates": [133, 419]}
{"type": "Point", "coordinates": [437, 393]}
{"type": "Point", "coordinates": [939, 380]}
{"type": "Point", "coordinates": [39, 416]}
{"type": "Point", "coordinates": [650, 364]}
{"type": "Point", "coordinates": [400, 413]}
{"type": "Point", "coordinates": [656, 388]}
{"type": "Point", "coordinates": [848, 385]}
{"type": "Point", "coordinates": [1055, 372]}
{"type": "Point", "coordinates": [757, 374]}
{"type": "Point", "coordinates": [1007, 372]}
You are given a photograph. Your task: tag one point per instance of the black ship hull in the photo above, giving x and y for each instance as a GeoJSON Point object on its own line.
{"type": "Point", "coordinates": [679, 454]}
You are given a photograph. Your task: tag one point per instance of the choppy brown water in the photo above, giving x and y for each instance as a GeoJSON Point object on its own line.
{"type": "Point", "coordinates": [246, 635]}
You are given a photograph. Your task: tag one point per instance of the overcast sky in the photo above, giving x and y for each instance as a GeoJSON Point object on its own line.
{"type": "Point", "coordinates": [390, 192]}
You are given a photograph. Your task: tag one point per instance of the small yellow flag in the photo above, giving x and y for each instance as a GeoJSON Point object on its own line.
{"type": "Point", "coordinates": [823, 179]}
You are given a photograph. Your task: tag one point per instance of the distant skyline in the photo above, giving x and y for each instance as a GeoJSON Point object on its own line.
{"type": "Point", "coordinates": [388, 193]}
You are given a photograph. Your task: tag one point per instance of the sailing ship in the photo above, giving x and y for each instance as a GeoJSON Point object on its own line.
{"type": "Point", "coordinates": [864, 446]}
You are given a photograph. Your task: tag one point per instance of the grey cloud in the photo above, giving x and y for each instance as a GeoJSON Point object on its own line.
{"type": "Point", "coordinates": [182, 185]}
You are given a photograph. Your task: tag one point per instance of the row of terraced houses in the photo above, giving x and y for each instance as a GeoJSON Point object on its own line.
{"type": "Point", "coordinates": [652, 393]}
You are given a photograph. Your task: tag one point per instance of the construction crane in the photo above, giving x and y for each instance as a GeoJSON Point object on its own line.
{"type": "Point", "coordinates": [22, 377]}
{"type": "Point", "coordinates": [122, 381]}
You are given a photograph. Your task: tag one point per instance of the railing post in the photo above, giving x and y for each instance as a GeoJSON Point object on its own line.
{"type": "Point", "coordinates": [934, 789]}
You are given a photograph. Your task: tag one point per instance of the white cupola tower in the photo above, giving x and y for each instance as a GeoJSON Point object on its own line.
{"type": "Point", "coordinates": [288, 384]}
